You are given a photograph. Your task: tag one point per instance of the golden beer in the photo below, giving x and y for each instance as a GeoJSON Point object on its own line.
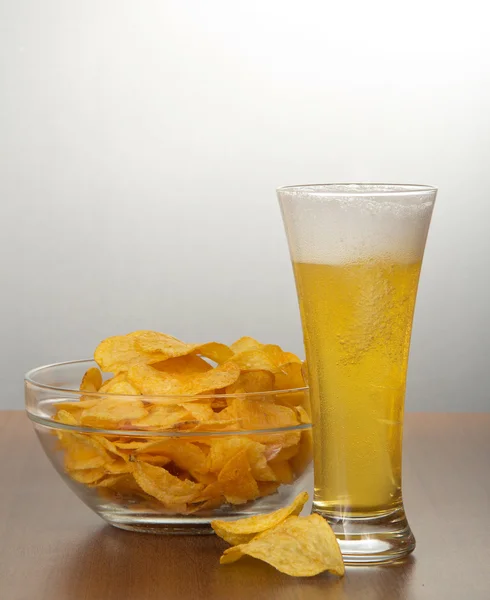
{"type": "Point", "coordinates": [357, 251]}
{"type": "Point", "coordinates": [357, 323]}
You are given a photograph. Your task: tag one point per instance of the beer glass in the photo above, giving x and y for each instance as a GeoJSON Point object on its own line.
{"type": "Point", "coordinates": [357, 251]}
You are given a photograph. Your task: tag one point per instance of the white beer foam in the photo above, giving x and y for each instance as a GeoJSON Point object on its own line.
{"type": "Point", "coordinates": [344, 229]}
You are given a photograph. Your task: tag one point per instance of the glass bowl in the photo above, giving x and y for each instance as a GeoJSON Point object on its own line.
{"type": "Point", "coordinates": [171, 464]}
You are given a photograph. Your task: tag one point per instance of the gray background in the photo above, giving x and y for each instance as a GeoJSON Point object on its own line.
{"type": "Point", "coordinates": [141, 144]}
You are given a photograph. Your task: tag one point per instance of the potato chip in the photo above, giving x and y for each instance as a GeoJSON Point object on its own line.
{"type": "Point", "coordinates": [228, 413]}
{"type": "Point", "coordinates": [303, 457]}
{"type": "Point", "coordinates": [289, 377]}
{"type": "Point", "coordinates": [153, 382]}
{"type": "Point", "coordinates": [293, 399]}
{"type": "Point", "coordinates": [254, 360]}
{"type": "Point", "coordinates": [237, 481]}
{"type": "Point", "coordinates": [217, 403]}
{"type": "Point", "coordinates": [153, 342]}
{"type": "Point", "coordinates": [87, 475]}
{"type": "Point", "coordinates": [106, 386]}
{"type": "Point", "coordinates": [207, 478]}
{"type": "Point", "coordinates": [119, 385]}
{"type": "Point", "coordinates": [278, 356]}
{"type": "Point", "coordinates": [299, 546]}
{"type": "Point", "coordinates": [74, 408]}
{"type": "Point", "coordinates": [91, 381]}
{"type": "Point", "coordinates": [218, 353]}
{"type": "Point", "coordinates": [243, 530]}
{"type": "Point", "coordinates": [168, 489]}
{"type": "Point", "coordinates": [282, 471]}
{"type": "Point", "coordinates": [255, 414]}
{"type": "Point", "coordinates": [252, 381]}
{"type": "Point", "coordinates": [289, 358]}
{"type": "Point", "coordinates": [183, 366]}
{"type": "Point", "coordinates": [163, 417]}
{"type": "Point", "coordinates": [217, 426]}
{"type": "Point", "coordinates": [200, 411]}
{"type": "Point", "coordinates": [82, 452]}
{"type": "Point", "coordinates": [273, 440]}
{"type": "Point", "coordinates": [259, 414]}
{"type": "Point", "coordinates": [211, 504]}
{"type": "Point", "coordinates": [118, 466]}
{"type": "Point", "coordinates": [261, 470]}
{"type": "Point", "coordinates": [110, 446]}
{"type": "Point", "coordinates": [251, 354]}
{"type": "Point", "coordinates": [304, 372]}
{"type": "Point", "coordinates": [222, 449]}
{"type": "Point", "coordinates": [152, 459]}
{"type": "Point", "coordinates": [189, 425]}
{"type": "Point", "coordinates": [214, 425]}
{"type": "Point", "coordinates": [277, 451]}
{"type": "Point", "coordinates": [212, 490]}
{"type": "Point", "coordinates": [109, 413]}
{"type": "Point", "coordinates": [63, 416]}
{"type": "Point", "coordinates": [303, 416]}
{"type": "Point", "coordinates": [217, 378]}
{"type": "Point", "coordinates": [134, 445]}
{"type": "Point", "coordinates": [110, 481]}
{"type": "Point", "coordinates": [120, 352]}
{"type": "Point", "coordinates": [274, 352]}
{"type": "Point", "coordinates": [122, 485]}
{"type": "Point", "coordinates": [244, 344]}
{"type": "Point", "coordinates": [123, 388]}
{"type": "Point", "coordinates": [267, 488]}
{"type": "Point", "coordinates": [185, 455]}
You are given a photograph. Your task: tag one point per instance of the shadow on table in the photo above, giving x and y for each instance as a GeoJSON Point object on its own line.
{"type": "Point", "coordinates": [253, 580]}
{"type": "Point", "coordinates": [117, 565]}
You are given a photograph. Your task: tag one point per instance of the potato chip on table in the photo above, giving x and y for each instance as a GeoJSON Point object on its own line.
{"type": "Point", "coordinates": [243, 530]}
{"type": "Point", "coordinates": [298, 546]}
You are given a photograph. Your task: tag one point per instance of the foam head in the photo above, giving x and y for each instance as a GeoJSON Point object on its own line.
{"type": "Point", "coordinates": [345, 223]}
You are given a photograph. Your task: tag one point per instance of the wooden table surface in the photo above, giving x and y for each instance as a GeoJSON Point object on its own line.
{"type": "Point", "coordinates": [52, 547]}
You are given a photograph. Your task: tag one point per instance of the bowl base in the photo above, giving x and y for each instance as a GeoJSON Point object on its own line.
{"type": "Point", "coordinates": [166, 528]}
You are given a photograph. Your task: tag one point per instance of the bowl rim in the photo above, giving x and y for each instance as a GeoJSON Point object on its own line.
{"type": "Point", "coordinates": [148, 433]}
{"type": "Point", "coordinates": [29, 378]}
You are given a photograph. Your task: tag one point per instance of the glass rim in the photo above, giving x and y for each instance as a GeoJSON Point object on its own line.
{"type": "Point", "coordinates": [29, 378]}
{"type": "Point", "coordinates": [335, 190]}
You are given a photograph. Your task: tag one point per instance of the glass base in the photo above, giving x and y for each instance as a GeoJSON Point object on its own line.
{"type": "Point", "coordinates": [372, 540]}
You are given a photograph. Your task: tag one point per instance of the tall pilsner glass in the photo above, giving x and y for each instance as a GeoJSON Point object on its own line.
{"type": "Point", "coordinates": [357, 251]}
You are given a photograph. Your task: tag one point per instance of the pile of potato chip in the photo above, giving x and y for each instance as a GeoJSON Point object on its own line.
{"type": "Point", "coordinates": [160, 384]}
{"type": "Point", "coordinates": [297, 546]}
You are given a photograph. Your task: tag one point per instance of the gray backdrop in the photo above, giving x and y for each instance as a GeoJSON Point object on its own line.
{"type": "Point", "coordinates": [141, 144]}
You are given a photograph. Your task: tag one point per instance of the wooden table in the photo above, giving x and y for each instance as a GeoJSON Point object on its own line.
{"type": "Point", "coordinates": [54, 548]}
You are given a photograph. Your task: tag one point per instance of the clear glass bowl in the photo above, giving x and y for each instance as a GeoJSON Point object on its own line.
{"type": "Point", "coordinates": [174, 478]}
